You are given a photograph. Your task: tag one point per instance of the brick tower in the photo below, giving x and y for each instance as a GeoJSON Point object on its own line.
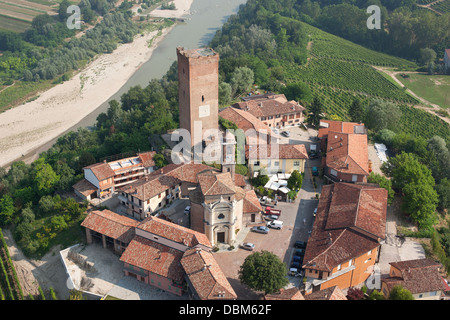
{"type": "Point", "coordinates": [198, 89]}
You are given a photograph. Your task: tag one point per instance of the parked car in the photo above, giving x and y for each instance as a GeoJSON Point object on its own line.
{"type": "Point", "coordinates": [272, 211]}
{"type": "Point", "coordinates": [260, 229]}
{"type": "Point", "coordinates": [299, 252]}
{"type": "Point", "coordinates": [187, 209]}
{"type": "Point", "coordinates": [300, 244]}
{"type": "Point", "coordinates": [271, 217]}
{"type": "Point", "coordinates": [296, 264]}
{"type": "Point", "coordinates": [276, 224]}
{"type": "Point", "coordinates": [314, 155]}
{"type": "Point", "coordinates": [247, 246]}
{"type": "Point", "coordinates": [286, 133]}
{"type": "Point", "coordinates": [315, 212]}
{"type": "Point", "coordinates": [315, 171]}
{"type": "Point", "coordinates": [297, 259]}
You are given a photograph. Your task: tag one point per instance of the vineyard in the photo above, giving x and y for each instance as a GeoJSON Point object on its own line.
{"type": "Point", "coordinates": [442, 7]}
{"type": "Point", "coordinates": [338, 71]}
{"type": "Point", "coordinates": [10, 288]}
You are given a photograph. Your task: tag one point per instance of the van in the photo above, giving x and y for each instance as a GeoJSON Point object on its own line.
{"type": "Point", "coordinates": [276, 224]}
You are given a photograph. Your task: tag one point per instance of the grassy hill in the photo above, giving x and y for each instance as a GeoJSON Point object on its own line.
{"type": "Point", "coordinates": [338, 71]}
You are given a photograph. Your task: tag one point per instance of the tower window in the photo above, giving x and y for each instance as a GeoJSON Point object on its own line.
{"type": "Point", "coordinates": [203, 98]}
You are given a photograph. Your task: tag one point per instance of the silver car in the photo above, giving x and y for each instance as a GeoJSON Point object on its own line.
{"type": "Point", "coordinates": [247, 246]}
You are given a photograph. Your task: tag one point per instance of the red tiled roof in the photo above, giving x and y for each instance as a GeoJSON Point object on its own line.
{"type": "Point", "coordinates": [85, 187]}
{"type": "Point", "coordinates": [348, 153]}
{"type": "Point", "coordinates": [339, 126]}
{"type": "Point", "coordinates": [332, 293]}
{"type": "Point", "coordinates": [350, 221]}
{"type": "Point", "coordinates": [111, 224]}
{"type": "Point", "coordinates": [285, 151]}
{"type": "Point", "coordinates": [147, 158]}
{"type": "Point", "coordinates": [285, 294]}
{"type": "Point", "coordinates": [154, 257]}
{"type": "Point", "coordinates": [173, 232]}
{"type": "Point", "coordinates": [251, 202]}
{"type": "Point", "coordinates": [447, 51]}
{"type": "Point", "coordinates": [102, 170]}
{"type": "Point", "coordinates": [215, 183]}
{"type": "Point", "coordinates": [205, 275]}
{"type": "Point", "coordinates": [163, 179]}
{"type": "Point", "coordinates": [418, 276]}
{"type": "Point", "coordinates": [269, 106]}
{"type": "Point", "coordinates": [243, 120]}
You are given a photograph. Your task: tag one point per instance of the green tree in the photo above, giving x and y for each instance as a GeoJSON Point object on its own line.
{"type": "Point", "coordinates": [383, 182]}
{"type": "Point", "coordinates": [224, 93]}
{"type": "Point", "coordinates": [315, 112]}
{"type": "Point", "coordinates": [382, 114]}
{"type": "Point", "coordinates": [356, 111]}
{"type": "Point", "coordinates": [263, 271]}
{"type": "Point", "coordinates": [6, 209]}
{"type": "Point", "coordinates": [417, 185]}
{"type": "Point", "coordinates": [58, 223]}
{"type": "Point", "coordinates": [443, 191]}
{"type": "Point", "coordinates": [295, 180]}
{"type": "Point", "coordinates": [44, 177]}
{"type": "Point", "coordinates": [241, 80]}
{"type": "Point", "coordinates": [400, 293]}
{"type": "Point", "coordinates": [298, 91]}
{"type": "Point", "coordinates": [160, 161]}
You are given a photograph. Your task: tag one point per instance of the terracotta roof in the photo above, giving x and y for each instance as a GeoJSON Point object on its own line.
{"type": "Point", "coordinates": [154, 257]}
{"type": "Point", "coordinates": [85, 187]}
{"type": "Point", "coordinates": [102, 170]}
{"type": "Point", "coordinates": [251, 202]}
{"type": "Point", "coordinates": [447, 51]}
{"type": "Point", "coordinates": [350, 221]}
{"type": "Point", "coordinates": [111, 224]}
{"type": "Point", "coordinates": [205, 275]}
{"type": "Point", "coordinates": [285, 294]}
{"type": "Point", "coordinates": [240, 180]}
{"type": "Point", "coordinates": [418, 276]}
{"type": "Point", "coordinates": [214, 183]}
{"type": "Point", "coordinates": [163, 179]}
{"type": "Point", "coordinates": [339, 126]}
{"type": "Point", "coordinates": [244, 120]}
{"type": "Point", "coordinates": [348, 153]}
{"type": "Point", "coordinates": [332, 293]}
{"type": "Point", "coordinates": [147, 158]}
{"type": "Point", "coordinates": [269, 106]}
{"type": "Point", "coordinates": [173, 232]}
{"type": "Point", "coordinates": [285, 151]}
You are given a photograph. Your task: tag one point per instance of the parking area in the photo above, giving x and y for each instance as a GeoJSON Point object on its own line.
{"type": "Point", "coordinates": [297, 220]}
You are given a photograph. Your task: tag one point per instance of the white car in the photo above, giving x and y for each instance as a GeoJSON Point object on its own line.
{"type": "Point", "coordinates": [276, 224]}
{"type": "Point", "coordinates": [247, 246]}
{"type": "Point", "coordinates": [187, 209]}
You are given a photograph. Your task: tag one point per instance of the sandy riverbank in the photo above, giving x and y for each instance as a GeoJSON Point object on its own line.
{"type": "Point", "coordinates": [182, 8]}
{"type": "Point", "coordinates": [28, 126]}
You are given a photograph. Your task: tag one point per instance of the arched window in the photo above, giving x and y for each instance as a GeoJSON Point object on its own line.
{"type": "Point", "coordinates": [221, 216]}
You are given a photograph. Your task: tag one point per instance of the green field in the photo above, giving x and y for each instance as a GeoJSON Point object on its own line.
{"type": "Point", "coordinates": [434, 88]}
{"type": "Point", "coordinates": [12, 24]}
{"type": "Point", "coordinates": [442, 7]}
{"type": "Point", "coordinates": [338, 71]}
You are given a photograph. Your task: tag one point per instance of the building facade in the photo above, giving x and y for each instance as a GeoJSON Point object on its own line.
{"type": "Point", "coordinates": [348, 230]}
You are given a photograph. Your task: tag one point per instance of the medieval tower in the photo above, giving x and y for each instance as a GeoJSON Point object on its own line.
{"type": "Point", "coordinates": [198, 90]}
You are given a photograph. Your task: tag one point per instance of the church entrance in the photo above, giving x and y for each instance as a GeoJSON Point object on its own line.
{"type": "Point", "coordinates": [221, 237]}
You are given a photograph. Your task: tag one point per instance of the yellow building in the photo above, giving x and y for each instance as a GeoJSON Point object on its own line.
{"type": "Point", "coordinates": [286, 159]}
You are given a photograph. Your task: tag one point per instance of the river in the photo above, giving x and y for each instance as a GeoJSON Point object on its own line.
{"type": "Point", "coordinates": [206, 17]}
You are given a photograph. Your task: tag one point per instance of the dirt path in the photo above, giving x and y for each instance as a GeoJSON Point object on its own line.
{"type": "Point", "coordinates": [432, 109]}
{"type": "Point", "coordinates": [46, 273]}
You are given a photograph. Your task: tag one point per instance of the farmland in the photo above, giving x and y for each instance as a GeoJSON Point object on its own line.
{"type": "Point", "coordinates": [17, 15]}
{"type": "Point", "coordinates": [442, 7]}
{"type": "Point", "coordinates": [10, 288]}
{"type": "Point", "coordinates": [338, 71]}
